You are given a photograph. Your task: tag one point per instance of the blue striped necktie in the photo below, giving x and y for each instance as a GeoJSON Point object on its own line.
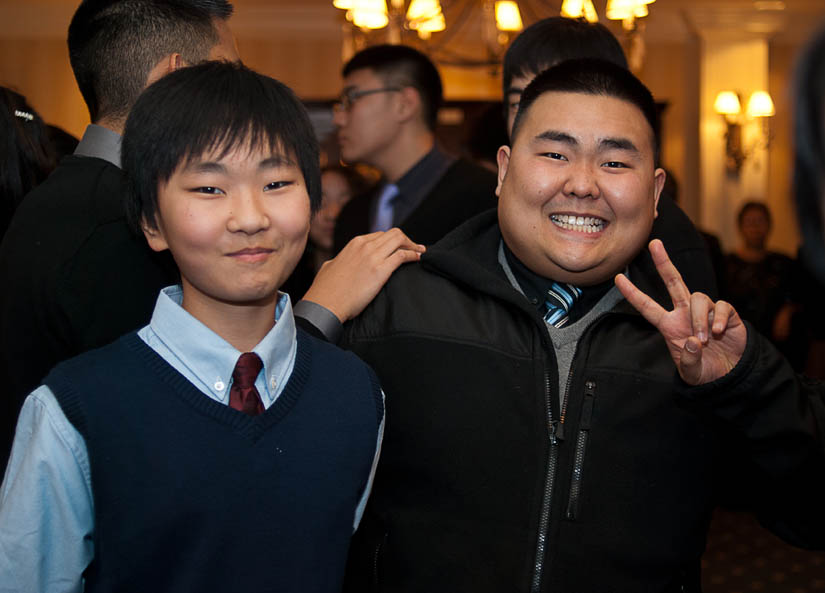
{"type": "Point", "coordinates": [560, 299]}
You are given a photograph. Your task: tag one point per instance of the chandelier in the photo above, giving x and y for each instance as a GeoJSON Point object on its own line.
{"type": "Point", "coordinates": [467, 33]}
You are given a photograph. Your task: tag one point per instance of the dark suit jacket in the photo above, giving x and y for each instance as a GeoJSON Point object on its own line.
{"type": "Point", "coordinates": [74, 277]}
{"type": "Point", "coordinates": [465, 190]}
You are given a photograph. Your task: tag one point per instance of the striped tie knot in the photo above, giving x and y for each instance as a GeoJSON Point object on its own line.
{"type": "Point", "coordinates": [559, 301]}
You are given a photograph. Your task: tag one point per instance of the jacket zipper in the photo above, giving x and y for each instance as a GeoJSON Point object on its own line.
{"type": "Point", "coordinates": [554, 436]}
{"type": "Point", "coordinates": [581, 449]}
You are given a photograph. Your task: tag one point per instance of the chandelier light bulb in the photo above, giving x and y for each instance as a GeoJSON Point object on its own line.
{"type": "Point", "coordinates": [508, 17]}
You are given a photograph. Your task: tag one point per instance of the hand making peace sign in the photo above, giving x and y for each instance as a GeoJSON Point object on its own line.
{"type": "Point", "coordinates": [705, 339]}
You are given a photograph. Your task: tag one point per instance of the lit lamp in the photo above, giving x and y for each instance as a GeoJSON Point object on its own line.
{"type": "Point", "coordinates": [627, 11]}
{"type": "Point", "coordinates": [727, 104]}
{"type": "Point", "coordinates": [426, 17]}
{"type": "Point", "coordinates": [576, 9]}
{"type": "Point", "coordinates": [369, 14]}
{"type": "Point", "coordinates": [508, 17]}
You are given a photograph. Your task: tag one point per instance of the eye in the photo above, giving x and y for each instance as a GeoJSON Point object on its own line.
{"type": "Point", "coordinates": [209, 190]}
{"type": "Point", "coordinates": [276, 185]}
{"type": "Point", "coordinates": [615, 165]}
{"type": "Point", "coordinates": [514, 105]}
{"type": "Point", "coordinates": [555, 156]}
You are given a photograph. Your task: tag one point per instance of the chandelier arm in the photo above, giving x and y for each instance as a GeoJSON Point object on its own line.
{"type": "Point", "coordinates": [451, 31]}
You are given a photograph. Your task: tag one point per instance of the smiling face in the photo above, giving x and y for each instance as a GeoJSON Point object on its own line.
{"type": "Point", "coordinates": [236, 227]}
{"type": "Point", "coordinates": [578, 190]}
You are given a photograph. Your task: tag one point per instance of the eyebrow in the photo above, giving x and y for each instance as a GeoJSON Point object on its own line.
{"type": "Point", "coordinates": [556, 136]}
{"type": "Point", "coordinates": [218, 167]}
{"type": "Point", "coordinates": [604, 144]}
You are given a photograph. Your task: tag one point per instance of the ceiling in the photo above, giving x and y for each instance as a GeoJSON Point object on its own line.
{"type": "Point", "coordinates": [787, 21]}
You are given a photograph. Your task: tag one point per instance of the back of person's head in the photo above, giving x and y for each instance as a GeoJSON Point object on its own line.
{"type": "Point", "coordinates": [237, 108]}
{"type": "Point", "coordinates": [114, 45]}
{"type": "Point", "coordinates": [403, 66]}
{"type": "Point", "coordinates": [809, 141]}
{"type": "Point", "coordinates": [26, 155]}
{"type": "Point", "coordinates": [549, 41]}
{"type": "Point", "coordinates": [591, 77]}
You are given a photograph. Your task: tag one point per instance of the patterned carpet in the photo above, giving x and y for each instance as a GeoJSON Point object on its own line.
{"type": "Point", "coordinates": [742, 557]}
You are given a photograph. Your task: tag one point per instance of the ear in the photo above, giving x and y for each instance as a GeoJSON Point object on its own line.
{"type": "Point", "coordinates": [503, 160]}
{"type": "Point", "coordinates": [154, 235]}
{"type": "Point", "coordinates": [166, 65]}
{"type": "Point", "coordinates": [659, 177]}
{"type": "Point", "coordinates": [409, 103]}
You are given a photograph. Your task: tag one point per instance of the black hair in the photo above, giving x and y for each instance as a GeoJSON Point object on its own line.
{"type": "Point", "coordinates": [549, 41]}
{"type": "Point", "coordinates": [26, 155]}
{"type": "Point", "coordinates": [592, 77]}
{"type": "Point", "coordinates": [215, 106]}
{"type": "Point", "coordinates": [114, 44]}
{"type": "Point", "coordinates": [809, 158]}
{"type": "Point", "coordinates": [753, 205]}
{"type": "Point", "coordinates": [403, 66]}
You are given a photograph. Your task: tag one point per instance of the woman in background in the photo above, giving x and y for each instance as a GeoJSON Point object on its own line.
{"type": "Point", "coordinates": [338, 186]}
{"type": "Point", "coordinates": [26, 154]}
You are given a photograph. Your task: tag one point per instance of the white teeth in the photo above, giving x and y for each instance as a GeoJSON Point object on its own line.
{"type": "Point", "coordinates": [583, 224]}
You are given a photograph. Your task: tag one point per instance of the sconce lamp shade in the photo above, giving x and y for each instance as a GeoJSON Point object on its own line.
{"type": "Point", "coordinates": [760, 104]}
{"type": "Point", "coordinates": [508, 17]}
{"type": "Point", "coordinates": [342, 4]}
{"type": "Point", "coordinates": [727, 103]}
{"type": "Point", "coordinates": [580, 8]}
{"type": "Point", "coordinates": [370, 14]}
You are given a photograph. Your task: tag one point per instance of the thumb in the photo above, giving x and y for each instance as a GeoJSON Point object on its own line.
{"type": "Point", "coordinates": [690, 362]}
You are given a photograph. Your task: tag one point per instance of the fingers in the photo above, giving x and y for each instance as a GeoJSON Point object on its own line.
{"type": "Point", "coordinates": [676, 288]}
{"type": "Point", "coordinates": [382, 244]}
{"type": "Point", "coordinates": [722, 315]}
{"type": "Point", "coordinates": [645, 305]}
{"type": "Point", "coordinates": [690, 361]}
{"type": "Point", "coordinates": [346, 284]}
{"type": "Point", "coordinates": [701, 315]}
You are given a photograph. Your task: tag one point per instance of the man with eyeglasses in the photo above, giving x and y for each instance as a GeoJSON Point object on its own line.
{"type": "Point", "coordinates": [386, 118]}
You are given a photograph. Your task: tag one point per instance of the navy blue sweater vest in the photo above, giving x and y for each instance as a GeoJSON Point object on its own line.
{"type": "Point", "coordinates": [191, 495]}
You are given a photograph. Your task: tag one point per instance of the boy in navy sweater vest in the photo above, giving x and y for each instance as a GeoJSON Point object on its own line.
{"type": "Point", "coordinates": [219, 448]}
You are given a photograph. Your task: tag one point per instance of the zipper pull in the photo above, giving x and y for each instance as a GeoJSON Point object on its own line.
{"type": "Point", "coordinates": [556, 432]}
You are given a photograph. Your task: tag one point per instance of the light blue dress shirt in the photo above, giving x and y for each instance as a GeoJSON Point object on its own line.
{"type": "Point", "coordinates": [46, 504]}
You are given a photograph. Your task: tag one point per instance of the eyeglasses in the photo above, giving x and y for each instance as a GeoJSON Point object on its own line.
{"type": "Point", "coordinates": [350, 96]}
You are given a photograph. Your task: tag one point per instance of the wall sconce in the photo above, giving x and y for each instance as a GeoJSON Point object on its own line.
{"type": "Point", "coordinates": [728, 105]}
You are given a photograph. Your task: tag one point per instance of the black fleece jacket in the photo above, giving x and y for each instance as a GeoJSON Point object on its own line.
{"type": "Point", "coordinates": [486, 484]}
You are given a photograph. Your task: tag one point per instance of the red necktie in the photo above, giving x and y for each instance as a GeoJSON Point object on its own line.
{"type": "Point", "coordinates": [243, 396]}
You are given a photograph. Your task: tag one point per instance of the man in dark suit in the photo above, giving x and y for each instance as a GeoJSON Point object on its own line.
{"type": "Point", "coordinates": [74, 276]}
{"type": "Point", "coordinates": [386, 118]}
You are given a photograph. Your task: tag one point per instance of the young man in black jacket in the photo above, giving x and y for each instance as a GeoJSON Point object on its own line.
{"type": "Point", "coordinates": [76, 277]}
{"type": "Point", "coordinates": [386, 118]}
{"type": "Point", "coordinates": [531, 450]}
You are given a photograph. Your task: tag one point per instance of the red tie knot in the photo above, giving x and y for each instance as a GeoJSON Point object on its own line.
{"type": "Point", "coordinates": [246, 370]}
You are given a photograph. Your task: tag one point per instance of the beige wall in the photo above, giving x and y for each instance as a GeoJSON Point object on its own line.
{"type": "Point", "coordinates": [785, 235]}
{"type": "Point", "coordinates": [39, 69]}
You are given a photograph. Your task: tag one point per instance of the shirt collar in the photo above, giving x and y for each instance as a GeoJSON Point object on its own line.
{"type": "Point", "coordinates": [417, 183]}
{"type": "Point", "coordinates": [211, 358]}
{"type": "Point", "coordinates": [101, 143]}
{"type": "Point", "coordinates": [535, 287]}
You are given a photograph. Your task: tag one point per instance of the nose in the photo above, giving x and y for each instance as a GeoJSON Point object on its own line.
{"type": "Point", "coordinates": [339, 117]}
{"type": "Point", "coordinates": [582, 181]}
{"type": "Point", "coordinates": [248, 214]}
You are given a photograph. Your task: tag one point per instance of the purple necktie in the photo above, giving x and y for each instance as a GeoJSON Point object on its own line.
{"type": "Point", "coordinates": [243, 396]}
